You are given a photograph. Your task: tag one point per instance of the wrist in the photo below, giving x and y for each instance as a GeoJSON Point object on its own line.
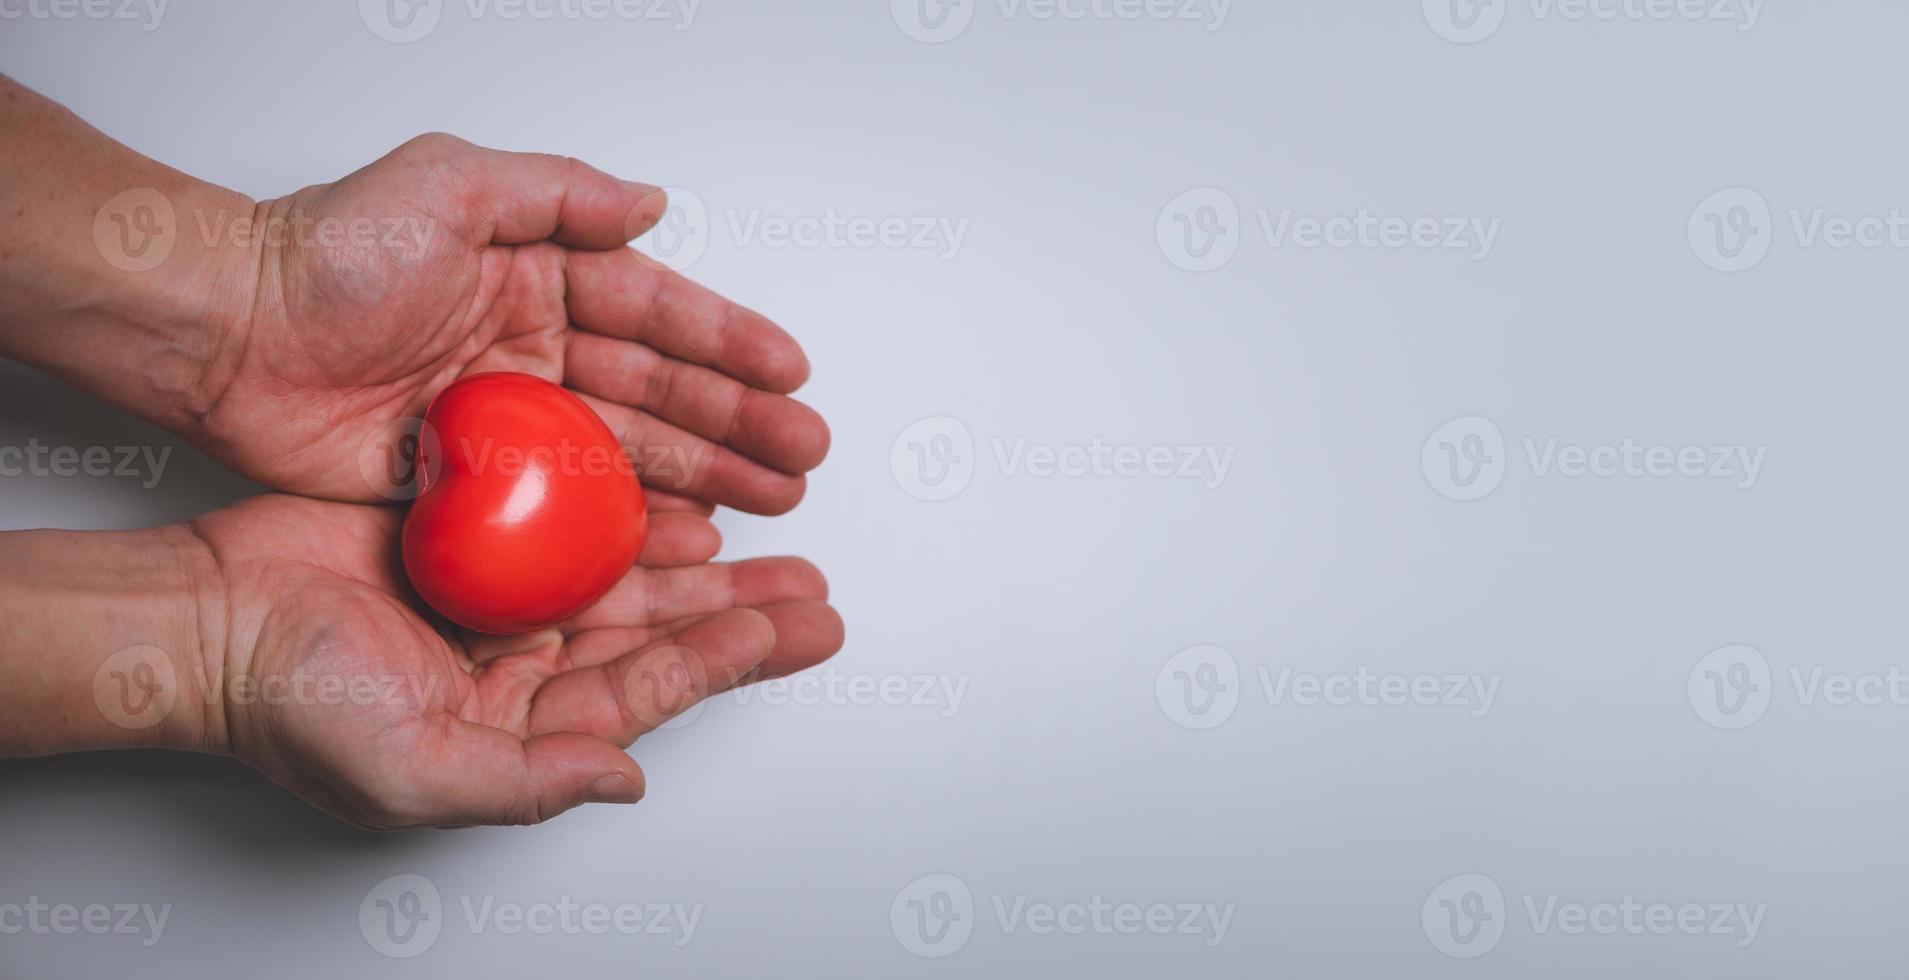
{"type": "Point", "coordinates": [164, 342]}
{"type": "Point", "coordinates": [124, 277]}
{"type": "Point", "coordinates": [106, 640]}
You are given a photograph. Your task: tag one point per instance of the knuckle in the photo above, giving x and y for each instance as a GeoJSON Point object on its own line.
{"type": "Point", "coordinates": [433, 144]}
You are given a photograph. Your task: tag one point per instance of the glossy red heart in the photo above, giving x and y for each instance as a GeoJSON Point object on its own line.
{"type": "Point", "coordinates": [529, 510]}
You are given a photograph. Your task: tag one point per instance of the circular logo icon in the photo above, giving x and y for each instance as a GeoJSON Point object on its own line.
{"type": "Point", "coordinates": [136, 688]}
{"type": "Point", "coordinates": [1464, 916]}
{"type": "Point", "coordinates": [681, 235]}
{"type": "Point", "coordinates": [1464, 21]}
{"type": "Point", "coordinates": [401, 916]}
{"type": "Point", "coordinates": [932, 21]}
{"type": "Point", "coordinates": [683, 718]}
{"type": "Point", "coordinates": [1199, 231]}
{"type": "Point", "coordinates": [1731, 230]}
{"type": "Point", "coordinates": [399, 457]}
{"type": "Point", "coordinates": [665, 684]}
{"type": "Point", "coordinates": [1464, 459]}
{"type": "Point", "coordinates": [1730, 687]}
{"type": "Point", "coordinates": [933, 459]}
{"type": "Point", "coordinates": [933, 916]}
{"type": "Point", "coordinates": [401, 21]}
{"type": "Point", "coordinates": [1199, 687]}
{"type": "Point", "coordinates": [135, 230]}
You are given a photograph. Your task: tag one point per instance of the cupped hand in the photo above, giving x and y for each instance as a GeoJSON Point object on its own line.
{"type": "Point", "coordinates": [338, 685]}
{"type": "Point", "coordinates": [444, 259]}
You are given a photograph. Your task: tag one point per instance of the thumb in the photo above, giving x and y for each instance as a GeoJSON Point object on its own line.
{"type": "Point", "coordinates": [500, 779]}
{"type": "Point", "coordinates": [517, 198]}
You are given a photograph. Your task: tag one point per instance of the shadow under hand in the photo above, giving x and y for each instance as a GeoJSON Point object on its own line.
{"type": "Point", "coordinates": [139, 475]}
{"type": "Point", "coordinates": [189, 800]}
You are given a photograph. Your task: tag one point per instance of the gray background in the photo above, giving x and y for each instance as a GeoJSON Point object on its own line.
{"type": "Point", "coordinates": [1073, 765]}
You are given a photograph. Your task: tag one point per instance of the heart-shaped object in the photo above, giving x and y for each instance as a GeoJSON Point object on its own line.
{"type": "Point", "coordinates": [528, 508]}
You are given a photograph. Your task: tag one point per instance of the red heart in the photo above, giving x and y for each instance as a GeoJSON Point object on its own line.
{"type": "Point", "coordinates": [528, 509]}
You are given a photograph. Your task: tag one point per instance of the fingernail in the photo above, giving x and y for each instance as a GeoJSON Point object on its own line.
{"type": "Point", "coordinates": [613, 788]}
{"type": "Point", "coordinates": [650, 204]}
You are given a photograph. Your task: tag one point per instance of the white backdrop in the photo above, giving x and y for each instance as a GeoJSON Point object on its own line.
{"type": "Point", "coordinates": [1357, 692]}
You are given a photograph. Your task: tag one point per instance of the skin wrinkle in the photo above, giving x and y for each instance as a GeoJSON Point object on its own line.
{"type": "Point", "coordinates": [735, 416]}
{"type": "Point", "coordinates": [324, 344]}
{"type": "Point", "coordinates": [218, 721]}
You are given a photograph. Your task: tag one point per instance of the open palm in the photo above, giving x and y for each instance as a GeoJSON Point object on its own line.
{"type": "Point", "coordinates": [443, 259]}
{"type": "Point", "coordinates": [374, 709]}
